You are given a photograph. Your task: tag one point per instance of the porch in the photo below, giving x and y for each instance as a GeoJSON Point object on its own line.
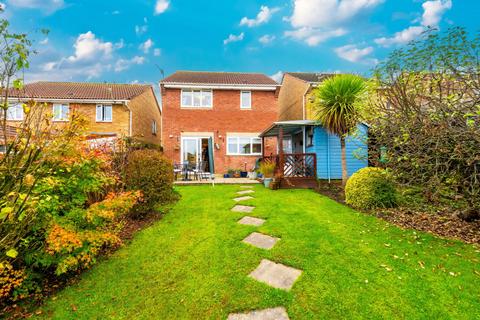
{"type": "Point", "coordinates": [294, 167]}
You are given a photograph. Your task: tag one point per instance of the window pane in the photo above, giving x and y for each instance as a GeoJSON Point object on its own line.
{"type": "Point", "coordinates": [65, 111]}
{"type": "Point", "coordinates": [197, 96]}
{"type": "Point", "coordinates": [245, 145]}
{"type": "Point", "coordinates": [187, 98]}
{"type": "Point", "coordinates": [107, 113]}
{"type": "Point", "coordinates": [99, 116]}
{"type": "Point", "coordinates": [246, 99]}
{"type": "Point", "coordinates": [15, 112]}
{"type": "Point", "coordinates": [190, 150]}
{"type": "Point", "coordinates": [232, 145]}
{"type": "Point", "coordinates": [206, 98]}
{"type": "Point", "coordinates": [256, 145]}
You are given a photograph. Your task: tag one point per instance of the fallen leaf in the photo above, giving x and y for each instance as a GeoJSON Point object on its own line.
{"type": "Point", "coordinates": [422, 264]}
{"type": "Point", "coordinates": [74, 307]}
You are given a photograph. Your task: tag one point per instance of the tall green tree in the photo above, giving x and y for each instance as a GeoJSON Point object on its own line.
{"type": "Point", "coordinates": [335, 104]}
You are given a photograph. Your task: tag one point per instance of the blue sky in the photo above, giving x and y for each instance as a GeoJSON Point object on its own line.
{"type": "Point", "coordinates": [128, 41]}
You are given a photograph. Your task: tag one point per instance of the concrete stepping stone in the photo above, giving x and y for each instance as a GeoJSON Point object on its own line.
{"type": "Point", "coordinates": [276, 275]}
{"type": "Point", "coordinates": [251, 221]}
{"type": "Point", "coordinates": [261, 240]}
{"type": "Point", "coordinates": [246, 187]}
{"type": "Point", "coordinates": [240, 208]}
{"type": "Point", "coordinates": [278, 313]}
{"type": "Point", "coordinates": [245, 192]}
{"type": "Point", "coordinates": [243, 198]}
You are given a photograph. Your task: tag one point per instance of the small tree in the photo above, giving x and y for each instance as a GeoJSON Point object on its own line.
{"type": "Point", "coordinates": [336, 108]}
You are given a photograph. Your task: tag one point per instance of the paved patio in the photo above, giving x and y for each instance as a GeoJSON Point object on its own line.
{"type": "Point", "coordinates": [218, 180]}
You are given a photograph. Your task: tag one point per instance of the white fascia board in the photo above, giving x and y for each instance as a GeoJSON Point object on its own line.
{"type": "Point", "coordinates": [12, 99]}
{"type": "Point", "coordinates": [219, 87]}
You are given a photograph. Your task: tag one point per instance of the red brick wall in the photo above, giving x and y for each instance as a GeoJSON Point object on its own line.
{"type": "Point", "coordinates": [225, 116]}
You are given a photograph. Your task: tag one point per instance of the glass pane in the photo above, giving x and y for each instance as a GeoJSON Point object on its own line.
{"type": "Point", "coordinates": [107, 113]}
{"type": "Point", "coordinates": [246, 99]}
{"type": "Point", "coordinates": [206, 98]}
{"type": "Point", "coordinates": [232, 145]}
{"type": "Point", "coordinates": [190, 150]}
{"type": "Point", "coordinates": [245, 146]}
{"type": "Point", "coordinates": [187, 98]}
{"type": "Point", "coordinates": [65, 111]}
{"type": "Point", "coordinates": [197, 96]}
{"type": "Point", "coordinates": [99, 115]}
{"type": "Point", "coordinates": [256, 145]}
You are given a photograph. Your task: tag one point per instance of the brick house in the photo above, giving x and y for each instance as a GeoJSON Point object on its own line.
{"type": "Point", "coordinates": [215, 118]}
{"type": "Point", "coordinates": [112, 110]}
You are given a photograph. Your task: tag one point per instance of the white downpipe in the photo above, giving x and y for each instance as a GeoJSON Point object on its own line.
{"type": "Point", "coordinates": [328, 157]}
{"type": "Point", "coordinates": [129, 119]}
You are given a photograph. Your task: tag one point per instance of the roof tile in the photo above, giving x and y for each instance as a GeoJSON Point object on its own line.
{"type": "Point", "coordinates": [219, 78]}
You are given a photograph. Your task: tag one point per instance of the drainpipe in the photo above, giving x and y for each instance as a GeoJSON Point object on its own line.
{"type": "Point", "coordinates": [303, 103]}
{"type": "Point", "coordinates": [328, 157]}
{"type": "Point", "coordinates": [129, 119]}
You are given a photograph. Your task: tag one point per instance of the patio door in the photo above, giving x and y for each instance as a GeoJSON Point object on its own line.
{"type": "Point", "coordinates": [197, 150]}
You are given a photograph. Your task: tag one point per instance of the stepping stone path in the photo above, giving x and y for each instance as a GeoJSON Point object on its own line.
{"type": "Point", "coordinates": [240, 208]}
{"type": "Point", "coordinates": [251, 221]}
{"type": "Point", "coordinates": [243, 198]}
{"type": "Point", "coordinates": [261, 240]}
{"type": "Point", "coordinates": [278, 313]}
{"type": "Point", "coordinates": [246, 187]}
{"type": "Point", "coordinates": [245, 192]}
{"type": "Point", "coordinates": [276, 275]}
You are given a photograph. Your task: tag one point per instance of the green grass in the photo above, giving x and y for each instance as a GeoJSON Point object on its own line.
{"type": "Point", "coordinates": [193, 265]}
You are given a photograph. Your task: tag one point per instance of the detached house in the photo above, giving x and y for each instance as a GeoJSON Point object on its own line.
{"type": "Point", "coordinates": [112, 110]}
{"type": "Point", "coordinates": [215, 118]}
{"type": "Point", "coordinates": [306, 150]}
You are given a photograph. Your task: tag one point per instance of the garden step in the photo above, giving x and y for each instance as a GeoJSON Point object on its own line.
{"type": "Point", "coordinates": [243, 198]}
{"type": "Point", "coordinates": [245, 192]}
{"type": "Point", "coordinates": [240, 208]}
{"type": "Point", "coordinates": [278, 313]}
{"type": "Point", "coordinates": [251, 221]}
{"type": "Point", "coordinates": [276, 275]}
{"type": "Point", "coordinates": [261, 240]}
{"type": "Point", "coordinates": [246, 187]}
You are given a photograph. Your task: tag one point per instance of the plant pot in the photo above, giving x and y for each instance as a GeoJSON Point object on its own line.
{"type": "Point", "coordinates": [243, 174]}
{"type": "Point", "coordinates": [267, 181]}
{"type": "Point", "coordinates": [236, 175]}
{"type": "Point", "coordinates": [226, 175]}
{"type": "Point", "coordinates": [252, 175]}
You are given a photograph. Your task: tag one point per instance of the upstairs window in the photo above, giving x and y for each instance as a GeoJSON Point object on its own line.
{"type": "Point", "coordinates": [154, 127]}
{"type": "Point", "coordinates": [244, 145]}
{"type": "Point", "coordinates": [245, 100]}
{"type": "Point", "coordinates": [196, 98]}
{"type": "Point", "coordinates": [61, 112]}
{"type": "Point", "coordinates": [15, 112]}
{"type": "Point", "coordinates": [104, 113]}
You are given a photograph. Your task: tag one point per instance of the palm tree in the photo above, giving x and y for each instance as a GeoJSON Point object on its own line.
{"type": "Point", "coordinates": [335, 107]}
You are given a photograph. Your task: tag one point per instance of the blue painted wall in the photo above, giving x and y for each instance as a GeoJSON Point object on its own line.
{"type": "Point", "coordinates": [327, 148]}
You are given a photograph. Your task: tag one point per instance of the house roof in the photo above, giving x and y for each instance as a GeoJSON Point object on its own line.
{"type": "Point", "coordinates": [219, 78]}
{"type": "Point", "coordinates": [80, 90]}
{"type": "Point", "coordinates": [313, 77]}
{"type": "Point", "coordinates": [289, 127]}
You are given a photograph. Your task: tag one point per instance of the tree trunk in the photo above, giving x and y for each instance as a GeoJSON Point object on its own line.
{"type": "Point", "coordinates": [344, 162]}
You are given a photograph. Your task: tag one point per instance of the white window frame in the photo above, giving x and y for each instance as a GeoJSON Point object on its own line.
{"type": "Point", "coordinates": [15, 118]}
{"type": "Point", "coordinates": [193, 106]}
{"type": "Point", "coordinates": [154, 127]}
{"type": "Point", "coordinates": [55, 114]}
{"type": "Point", "coordinates": [102, 116]}
{"type": "Point", "coordinates": [249, 107]}
{"type": "Point", "coordinates": [238, 146]}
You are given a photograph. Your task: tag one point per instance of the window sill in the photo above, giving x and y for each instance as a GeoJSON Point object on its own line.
{"type": "Point", "coordinates": [244, 155]}
{"type": "Point", "coordinates": [103, 121]}
{"type": "Point", "coordinates": [196, 108]}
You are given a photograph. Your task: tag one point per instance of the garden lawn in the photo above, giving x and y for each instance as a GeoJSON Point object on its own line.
{"type": "Point", "coordinates": [193, 265]}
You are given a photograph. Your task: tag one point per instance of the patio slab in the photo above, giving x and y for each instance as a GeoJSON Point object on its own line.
{"type": "Point", "coordinates": [276, 275]}
{"type": "Point", "coordinates": [243, 198]}
{"type": "Point", "coordinates": [261, 240]}
{"type": "Point", "coordinates": [245, 192]}
{"type": "Point", "coordinates": [278, 313]}
{"type": "Point", "coordinates": [251, 221]}
{"type": "Point", "coordinates": [240, 208]}
{"type": "Point", "coordinates": [246, 187]}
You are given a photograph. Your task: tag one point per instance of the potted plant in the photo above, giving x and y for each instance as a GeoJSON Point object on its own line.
{"type": "Point", "coordinates": [267, 170]}
{"type": "Point", "coordinates": [236, 174]}
{"type": "Point", "coordinates": [244, 173]}
{"type": "Point", "coordinates": [231, 173]}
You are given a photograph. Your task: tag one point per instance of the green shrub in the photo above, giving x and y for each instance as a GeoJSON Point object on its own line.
{"type": "Point", "coordinates": [267, 169]}
{"type": "Point", "coordinates": [370, 188]}
{"type": "Point", "coordinates": [152, 173]}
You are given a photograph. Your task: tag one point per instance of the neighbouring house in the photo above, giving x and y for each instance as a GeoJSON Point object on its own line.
{"type": "Point", "coordinates": [112, 110]}
{"type": "Point", "coordinates": [215, 118]}
{"type": "Point", "coordinates": [308, 151]}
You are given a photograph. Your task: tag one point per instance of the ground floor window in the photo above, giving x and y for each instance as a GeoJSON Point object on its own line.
{"type": "Point", "coordinates": [244, 145]}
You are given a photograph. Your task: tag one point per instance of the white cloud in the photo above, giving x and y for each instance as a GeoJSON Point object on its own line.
{"type": "Point", "coordinates": [266, 39]}
{"type": "Point", "coordinates": [48, 6]}
{"type": "Point", "coordinates": [313, 36]}
{"type": "Point", "coordinates": [120, 44]}
{"type": "Point", "coordinates": [88, 47]}
{"type": "Point", "coordinates": [432, 15]}
{"type": "Point", "coordinates": [146, 46]}
{"type": "Point", "coordinates": [114, 13]}
{"type": "Point", "coordinates": [161, 6]}
{"type": "Point", "coordinates": [2, 6]}
{"type": "Point", "coordinates": [124, 64]}
{"type": "Point", "coordinates": [262, 17]}
{"type": "Point", "coordinates": [233, 38]}
{"type": "Point", "coordinates": [353, 54]}
{"type": "Point", "coordinates": [157, 52]}
{"type": "Point", "coordinates": [139, 30]}
{"type": "Point", "coordinates": [433, 11]}
{"type": "Point", "coordinates": [404, 36]}
{"type": "Point", "coordinates": [44, 41]}
{"type": "Point", "coordinates": [277, 76]}
{"type": "Point", "coordinates": [315, 21]}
